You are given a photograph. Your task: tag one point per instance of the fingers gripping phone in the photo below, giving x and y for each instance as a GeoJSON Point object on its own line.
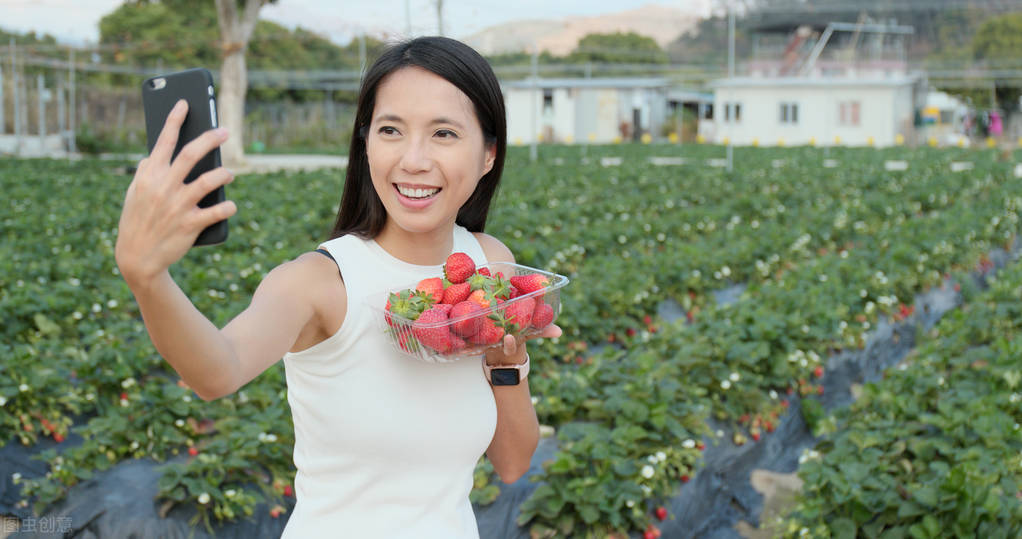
{"type": "Point", "coordinates": [159, 94]}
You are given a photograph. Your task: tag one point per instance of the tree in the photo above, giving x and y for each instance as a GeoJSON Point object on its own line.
{"type": "Point", "coordinates": [235, 31]}
{"type": "Point", "coordinates": [998, 44]}
{"type": "Point", "coordinates": [622, 48]}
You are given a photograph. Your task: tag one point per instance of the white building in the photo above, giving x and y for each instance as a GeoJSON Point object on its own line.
{"type": "Point", "coordinates": [597, 110]}
{"type": "Point", "coordinates": [823, 111]}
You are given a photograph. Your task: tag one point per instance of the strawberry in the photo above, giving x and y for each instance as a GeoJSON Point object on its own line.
{"type": "Point", "coordinates": [818, 372]}
{"type": "Point", "coordinates": [193, 451]}
{"type": "Point", "coordinates": [543, 315]}
{"type": "Point", "coordinates": [456, 293]}
{"type": "Point", "coordinates": [288, 491]}
{"type": "Point", "coordinates": [484, 271]}
{"type": "Point", "coordinates": [661, 513]}
{"type": "Point", "coordinates": [457, 343]}
{"type": "Point", "coordinates": [518, 314]}
{"type": "Point", "coordinates": [430, 331]}
{"type": "Point", "coordinates": [685, 479]}
{"type": "Point", "coordinates": [459, 267]}
{"type": "Point", "coordinates": [514, 292]}
{"type": "Point", "coordinates": [58, 437]}
{"type": "Point", "coordinates": [481, 298]}
{"type": "Point", "coordinates": [478, 281]}
{"type": "Point", "coordinates": [407, 342]}
{"type": "Point", "coordinates": [470, 325]}
{"type": "Point", "coordinates": [489, 333]}
{"type": "Point", "coordinates": [406, 304]}
{"type": "Point", "coordinates": [434, 287]}
{"type": "Point", "coordinates": [530, 283]}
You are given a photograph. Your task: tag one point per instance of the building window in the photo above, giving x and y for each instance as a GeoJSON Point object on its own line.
{"type": "Point", "coordinates": [789, 113]}
{"type": "Point", "coordinates": [732, 110]}
{"type": "Point", "coordinates": [848, 113]}
{"type": "Point", "coordinates": [548, 98]}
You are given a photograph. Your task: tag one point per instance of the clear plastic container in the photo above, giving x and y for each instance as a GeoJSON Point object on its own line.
{"type": "Point", "coordinates": [401, 332]}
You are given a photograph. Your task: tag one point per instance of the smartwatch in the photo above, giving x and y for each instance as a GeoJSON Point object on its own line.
{"type": "Point", "coordinates": [506, 375]}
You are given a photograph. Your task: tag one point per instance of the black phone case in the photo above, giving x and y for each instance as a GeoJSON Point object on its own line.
{"type": "Point", "coordinates": [196, 87]}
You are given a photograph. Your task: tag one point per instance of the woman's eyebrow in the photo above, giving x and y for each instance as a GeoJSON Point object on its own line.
{"type": "Point", "coordinates": [436, 121]}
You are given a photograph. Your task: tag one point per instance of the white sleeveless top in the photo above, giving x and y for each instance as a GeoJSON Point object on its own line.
{"type": "Point", "coordinates": [385, 444]}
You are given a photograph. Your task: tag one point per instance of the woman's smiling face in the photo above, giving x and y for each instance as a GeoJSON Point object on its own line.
{"type": "Point", "coordinates": [425, 148]}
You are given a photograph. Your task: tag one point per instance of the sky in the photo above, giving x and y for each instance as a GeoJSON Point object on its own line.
{"type": "Point", "coordinates": [76, 21]}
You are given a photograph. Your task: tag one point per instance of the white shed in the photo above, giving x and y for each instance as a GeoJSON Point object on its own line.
{"type": "Point", "coordinates": [598, 110]}
{"type": "Point", "coordinates": [800, 110]}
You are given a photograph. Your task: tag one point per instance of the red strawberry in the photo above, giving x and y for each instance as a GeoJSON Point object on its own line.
{"type": "Point", "coordinates": [685, 479]}
{"type": "Point", "coordinates": [818, 372]}
{"type": "Point", "coordinates": [543, 316]}
{"type": "Point", "coordinates": [288, 491]}
{"type": "Point", "coordinates": [530, 283]}
{"type": "Point", "coordinates": [193, 451]}
{"type": "Point", "coordinates": [480, 297]}
{"type": "Point", "coordinates": [518, 314]}
{"type": "Point", "coordinates": [470, 325]}
{"type": "Point", "coordinates": [430, 331]}
{"type": "Point", "coordinates": [58, 437]}
{"type": "Point", "coordinates": [456, 293]}
{"type": "Point", "coordinates": [433, 286]}
{"type": "Point", "coordinates": [489, 333]}
{"type": "Point", "coordinates": [514, 292]}
{"type": "Point", "coordinates": [444, 308]}
{"type": "Point", "coordinates": [459, 267]}
{"type": "Point", "coordinates": [661, 513]}
{"type": "Point", "coordinates": [483, 271]}
{"type": "Point", "coordinates": [124, 396]}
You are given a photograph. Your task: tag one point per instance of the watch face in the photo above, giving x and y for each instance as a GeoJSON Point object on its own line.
{"type": "Point", "coordinates": [504, 377]}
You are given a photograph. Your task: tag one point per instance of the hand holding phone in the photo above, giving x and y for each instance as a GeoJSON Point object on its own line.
{"type": "Point", "coordinates": [162, 216]}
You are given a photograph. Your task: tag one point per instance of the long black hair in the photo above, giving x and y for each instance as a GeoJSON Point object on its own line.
{"type": "Point", "coordinates": [361, 212]}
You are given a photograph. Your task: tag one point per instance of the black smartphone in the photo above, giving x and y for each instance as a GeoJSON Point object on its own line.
{"type": "Point", "coordinates": [159, 94]}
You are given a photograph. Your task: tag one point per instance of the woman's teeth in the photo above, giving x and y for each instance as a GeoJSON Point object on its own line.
{"type": "Point", "coordinates": [417, 193]}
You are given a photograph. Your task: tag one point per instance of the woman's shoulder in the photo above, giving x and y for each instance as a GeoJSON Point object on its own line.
{"type": "Point", "coordinates": [494, 249]}
{"type": "Point", "coordinates": [307, 272]}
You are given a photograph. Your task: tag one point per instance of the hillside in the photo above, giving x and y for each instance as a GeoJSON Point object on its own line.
{"type": "Point", "coordinates": [559, 36]}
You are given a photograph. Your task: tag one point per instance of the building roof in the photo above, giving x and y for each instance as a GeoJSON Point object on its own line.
{"type": "Point", "coordinates": [828, 82]}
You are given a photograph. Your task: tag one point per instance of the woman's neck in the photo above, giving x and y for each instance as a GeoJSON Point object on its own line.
{"type": "Point", "coordinates": [422, 249]}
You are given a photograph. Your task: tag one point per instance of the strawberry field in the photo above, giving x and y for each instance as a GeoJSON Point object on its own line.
{"type": "Point", "coordinates": [813, 250]}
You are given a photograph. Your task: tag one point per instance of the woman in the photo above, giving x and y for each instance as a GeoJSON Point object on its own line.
{"type": "Point", "coordinates": [384, 444]}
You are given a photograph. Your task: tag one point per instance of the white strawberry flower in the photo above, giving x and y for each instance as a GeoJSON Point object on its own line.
{"type": "Point", "coordinates": [134, 445]}
{"type": "Point", "coordinates": [186, 398]}
{"type": "Point", "coordinates": [725, 271]}
{"type": "Point", "coordinates": [230, 493]}
{"type": "Point", "coordinates": [661, 456]}
{"type": "Point", "coordinates": [179, 423]}
{"type": "Point", "coordinates": [100, 333]}
{"type": "Point", "coordinates": [16, 477]}
{"type": "Point", "coordinates": [3, 400]}
{"type": "Point", "coordinates": [112, 303]}
{"type": "Point", "coordinates": [688, 444]}
{"type": "Point", "coordinates": [805, 328]}
{"type": "Point", "coordinates": [74, 281]}
{"type": "Point", "coordinates": [630, 503]}
{"type": "Point", "coordinates": [844, 253]}
{"type": "Point", "coordinates": [535, 400]}
{"type": "Point", "coordinates": [726, 384]}
{"type": "Point", "coordinates": [23, 388]}
{"type": "Point", "coordinates": [204, 498]}
{"type": "Point", "coordinates": [124, 403]}
{"type": "Point", "coordinates": [773, 394]}
{"type": "Point", "coordinates": [734, 377]}
{"type": "Point", "coordinates": [652, 459]}
{"type": "Point", "coordinates": [128, 382]}
{"type": "Point", "coordinates": [647, 471]}
{"type": "Point", "coordinates": [96, 308]}
{"type": "Point", "coordinates": [77, 315]}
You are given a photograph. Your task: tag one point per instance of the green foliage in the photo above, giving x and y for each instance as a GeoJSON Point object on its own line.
{"type": "Point", "coordinates": [934, 449]}
{"type": "Point", "coordinates": [824, 255]}
{"type": "Point", "coordinates": [618, 47]}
